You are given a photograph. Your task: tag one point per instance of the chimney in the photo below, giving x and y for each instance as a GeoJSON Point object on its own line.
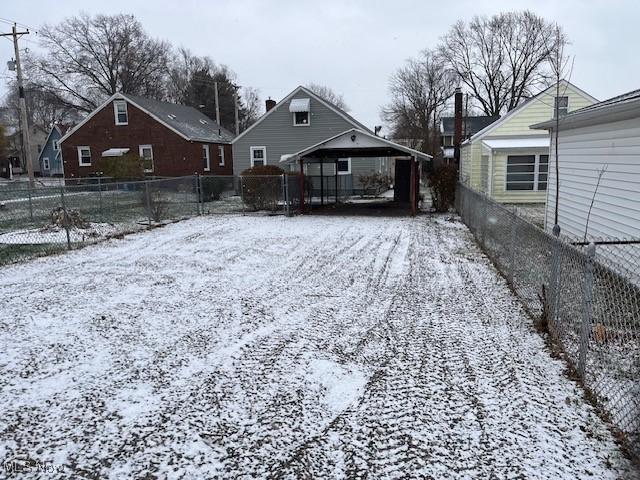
{"type": "Point", "coordinates": [270, 104]}
{"type": "Point", "coordinates": [457, 124]}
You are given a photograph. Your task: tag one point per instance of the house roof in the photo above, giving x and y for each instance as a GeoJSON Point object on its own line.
{"type": "Point", "coordinates": [511, 113]}
{"type": "Point", "coordinates": [616, 108]}
{"type": "Point", "coordinates": [363, 143]}
{"type": "Point", "coordinates": [187, 122]}
{"type": "Point", "coordinates": [317, 97]}
{"type": "Point", "coordinates": [470, 124]}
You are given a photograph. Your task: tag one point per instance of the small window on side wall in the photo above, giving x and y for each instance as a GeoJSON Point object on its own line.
{"type": "Point", "coordinates": [84, 156]}
{"type": "Point", "coordinates": [561, 105]}
{"type": "Point", "coordinates": [120, 112]}
{"type": "Point", "coordinates": [206, 161]}
{"type": "Point", "coordinates": [258, 156]}
{"type": "Point", "coordinates": [344, 166]}
{"type": "Point", "coordinates": [221, 155]}
{"type": "Point", "coordinates": [146, 154]}
{"type": "Point", "coordinates": [301, 119]}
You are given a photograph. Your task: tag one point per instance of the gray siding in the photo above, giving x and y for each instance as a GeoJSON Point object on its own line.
{"type": "Point", "coordinates": [277, 133]}
{"type": "Point", "coordinates": [583, 152]}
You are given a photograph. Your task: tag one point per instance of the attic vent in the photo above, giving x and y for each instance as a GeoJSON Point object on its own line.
{"type": "Point", "coordinates": [171, 116]}
{"type": "Point", "coordinates": [204, 122]}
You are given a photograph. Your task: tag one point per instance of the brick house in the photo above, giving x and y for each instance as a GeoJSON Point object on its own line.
{"type": "Point", "coordinates": [174, 140]}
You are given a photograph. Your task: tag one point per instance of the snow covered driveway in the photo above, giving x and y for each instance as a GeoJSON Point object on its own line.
{"type": "Point", "coordinates": [268, 347]}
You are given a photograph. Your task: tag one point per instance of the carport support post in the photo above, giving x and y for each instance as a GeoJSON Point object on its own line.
{"type": "Point", "coordinates": [302, 208]}
{"type": "Point", "coordinates": [336, 172]}
{"type": "Point", "coordinates": [321, 181]}
{"type": "Point", "coordinates": [413, 194]}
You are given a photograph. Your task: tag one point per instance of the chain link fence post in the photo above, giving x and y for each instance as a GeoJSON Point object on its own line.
{"type": "Point", "coordinates": [511, 275]}
{"type": "Point", "coordinates": [100, 197]}
{"type": "Point", "coordinates": [65, 218]}
{"type": "Point", "coordinates": [242, 193]}
{"type": "Point", "coordinates": [555, 278]}
{"type": "Point", "coordinates": [148, 200]}
{"type": "Point", "coordinates": [30, 204]}
{"type": "Point", "coordinates": [585, 327]}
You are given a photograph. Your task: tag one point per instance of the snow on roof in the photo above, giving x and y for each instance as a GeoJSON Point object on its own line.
{"type": "Point", "coordinates": [503, 143]}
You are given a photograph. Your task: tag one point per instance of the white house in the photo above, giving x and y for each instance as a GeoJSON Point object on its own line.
{"type": "Point", "coordinates": [599, 140]}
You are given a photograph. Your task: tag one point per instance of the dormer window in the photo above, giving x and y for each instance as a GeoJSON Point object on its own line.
{"type": "Point", "coordinates": [300, 109]}
{"type": "Point", "coordinates": [120, 112]}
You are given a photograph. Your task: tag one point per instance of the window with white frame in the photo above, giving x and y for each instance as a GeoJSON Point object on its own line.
{"type": "Point", "coordinates": [84, 156]}
{"type": "Point", "coordinates": [561, 105]}
{"type": "Point", "coordinates": [45, 163]}
{"type": "Point", "coordinates": [120, 112]}
{"type": "Point", "coordinates": [146, 154]}
{"type": "Point", "coordinates": [258, 156]}
{"type": "Point", "coordinates": [527, 172]}
{"type": "Point", "coordinates": [344, 166]}
{"type": "Point", "coordinates": [206, 160]}
{"type": "Point", "coordinates": [221, 155]}
{"type": "Point", "coordinates": [300, 108]}
{"type": "Point", "coordinates": [55, 145]}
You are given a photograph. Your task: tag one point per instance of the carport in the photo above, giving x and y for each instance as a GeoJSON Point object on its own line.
{"type": "Point", "coordinates": [363, 144]}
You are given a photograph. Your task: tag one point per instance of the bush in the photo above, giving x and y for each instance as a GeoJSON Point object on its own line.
{"type": "Point", "coordinates": [262, 187]}
{"type": "Point", "coordinates": [443, 181]}
{"type": "Point", "coordinates": [213, 187]}
{"type": "Point", "coordinates": [374, 184]}
{"type": "Point", "coordinates": [126, 167]}
{"type": "Point", "coordinates": [155, 203]}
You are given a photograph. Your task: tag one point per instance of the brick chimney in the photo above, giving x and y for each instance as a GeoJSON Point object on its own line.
{"type": "Point", "coordinates": [457, 124]}
{"type": "Point", "coordinates": [270, 104]}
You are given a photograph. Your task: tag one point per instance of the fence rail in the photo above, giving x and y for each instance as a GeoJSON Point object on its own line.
{"type": "Point", "coordinates": [587, 299]}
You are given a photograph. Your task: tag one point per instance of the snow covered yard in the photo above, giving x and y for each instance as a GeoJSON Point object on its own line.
{"type": "Point", "coordinates": [271, 347]}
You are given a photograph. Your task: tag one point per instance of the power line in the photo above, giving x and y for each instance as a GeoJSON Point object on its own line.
{"type": "Point", "coordinates": [12, 22]}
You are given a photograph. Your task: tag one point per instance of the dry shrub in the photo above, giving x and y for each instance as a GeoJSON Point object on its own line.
{"type": "Point", "coordinates": [443, 181]}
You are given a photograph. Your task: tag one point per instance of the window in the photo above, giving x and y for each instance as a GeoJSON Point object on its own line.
{"type": "Point", "coordinates": [258, 156]}
{"type": "Point", "coordinates": [120, 112]}
{"type": "Point", "coordinates": [527, 172]}
{"type": "Point", "coordinates": [301, 119]}
{"type": "Point", "coordinates": [344, 166]}
{"type": "Point", "coordinates": [45, 163]}
{"type": "Point", "coordinates": [55, 145]}
{"type": "Point", "coordinates": [221, 155]}
{"type": "Point", "coordinates": [146, 154]}
{"type": "Point", "coordinates": [206, 162]}
{"type": "Point", "coordinates": [561, 105]}
{"type": "Point", "coordinates": [84, 156]}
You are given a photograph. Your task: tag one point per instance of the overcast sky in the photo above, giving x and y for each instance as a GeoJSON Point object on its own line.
{"type": "Point", "coordinates": [351, 46]}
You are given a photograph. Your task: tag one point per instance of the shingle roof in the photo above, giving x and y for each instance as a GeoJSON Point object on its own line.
{"type": "Point", "coordinates": [470, 125]}
{"type": "Point", "coordinates": [190, 122]}
{"type": "Point", "coordinates": [625, 97]}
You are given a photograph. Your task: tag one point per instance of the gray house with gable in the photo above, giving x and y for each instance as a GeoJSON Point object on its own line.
{"type": "Point", "coordinates": [298, 121]}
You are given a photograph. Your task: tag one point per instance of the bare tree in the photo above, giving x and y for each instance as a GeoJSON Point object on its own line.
{"type": "Point", "coordinates": [89, 58]}
{"type": "Point", "coordinates": [43, 108]}
{"type": "Point", "coordinates": [192, 81]}
{"type": "Point", "coordinates": [501, 59]}
{"type": "Point", "coordinates": [328, 94]}
{"type": "Point", "coordinates": [419, 92]}
{"type": "Point", "coordinates": [559, 63]}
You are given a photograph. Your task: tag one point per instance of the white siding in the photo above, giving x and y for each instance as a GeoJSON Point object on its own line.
{"type": "Point", "coordinates": [583, 152]}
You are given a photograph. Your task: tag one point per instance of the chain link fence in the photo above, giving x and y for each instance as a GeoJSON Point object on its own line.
{"type": "Point", "coordinates": [585, 294]}
{"type": "Point", "coordinates": [54, 217]}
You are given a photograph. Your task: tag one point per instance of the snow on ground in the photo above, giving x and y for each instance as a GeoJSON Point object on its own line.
{"type": "Point", "coordinates": [271, 347]}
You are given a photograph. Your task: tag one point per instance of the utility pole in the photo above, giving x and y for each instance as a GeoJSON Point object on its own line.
{"type": "Point", "coordinates": [26, 145]}
{"type": "Point", "coordinates": [215, 90]}
{"type": "Point", "coordinates": [235, 106]}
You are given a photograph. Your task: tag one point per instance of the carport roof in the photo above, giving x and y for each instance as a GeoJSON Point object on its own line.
{"type": "Point", "coordinates": [354, 143]}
